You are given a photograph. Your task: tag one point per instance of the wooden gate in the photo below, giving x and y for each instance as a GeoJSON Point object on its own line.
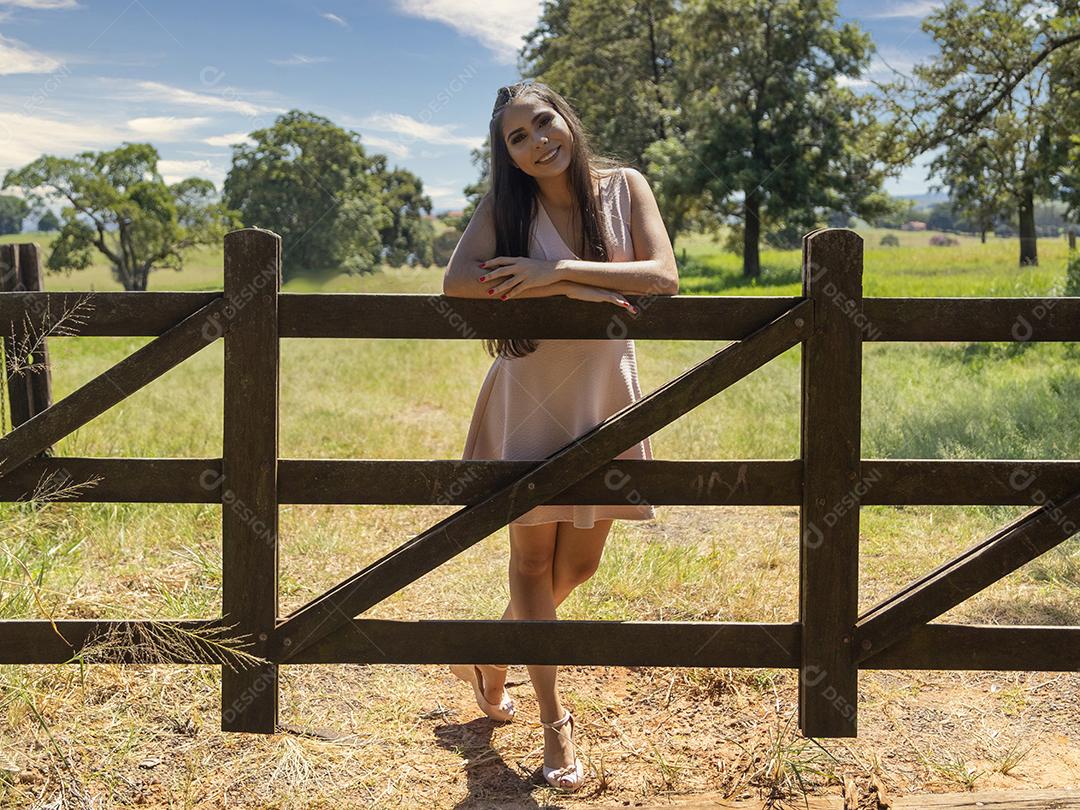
{"type": "Point", "coordinates": [829, 643]}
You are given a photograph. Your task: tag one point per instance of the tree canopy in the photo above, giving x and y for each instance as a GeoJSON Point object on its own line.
{"type": "Point", "coordinates": [117, 204]}
{"type": "Point", "coordinates": [335, 208]}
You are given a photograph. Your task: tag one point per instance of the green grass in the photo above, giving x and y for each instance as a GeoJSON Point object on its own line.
{"type": "Point", "coordinates": [413, 399]}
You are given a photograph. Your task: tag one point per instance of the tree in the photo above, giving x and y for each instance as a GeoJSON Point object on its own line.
{"type": "Point", "coordinates": [13, 211]}
{"type": "Point", "coordinates": [48, 222]}
{"type": "Point", "coordinates": [975, 193]}
{"type": "Point", "coordinates": [984, 98]}
{"type": "Point", "coordinates": [612, 61]}
{"type": "Point", "coordinates": [408, 239]}
{"type": "Point", "coordinates": [772, 135]}
{"type": "Point", "coordinates": [118, 204]}
{"type": "Point", "coordinates": [1065, 134]}
{"type": "Point", "coordinates": [311, 182]}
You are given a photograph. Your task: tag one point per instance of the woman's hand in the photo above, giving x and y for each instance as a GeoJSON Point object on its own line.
{"type": "Point", "coordinates": [586, 292]}
{"type": "Point", "coordinates": [518, 273]}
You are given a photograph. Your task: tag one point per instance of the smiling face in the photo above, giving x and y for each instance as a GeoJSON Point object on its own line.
{"type": "Point", "coordinates": [531, 130]}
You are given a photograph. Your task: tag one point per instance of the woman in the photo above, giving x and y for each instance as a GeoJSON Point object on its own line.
{"type": "Point", "coordinates": [549, 192]}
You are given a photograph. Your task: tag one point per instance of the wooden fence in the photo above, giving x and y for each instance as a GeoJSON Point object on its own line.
{"type": "Point", "coordinates": [828, 645]}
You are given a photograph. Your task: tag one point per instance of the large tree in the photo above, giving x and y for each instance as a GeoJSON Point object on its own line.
{"type": "Point", "coordinates": [772, 131]}
{"type": "Point", "coordinates": [983, 101]}
{"type": "Point", "coordinates": [116, 203]}
{"type": "Point", "coordinates": [732, 108]}
{"type": "Point", "coordinates": [333, 205]}
{"type": "Point", "coordinates": [1065, 101]}
{"type": "Point", "coordinates": [612, 61]}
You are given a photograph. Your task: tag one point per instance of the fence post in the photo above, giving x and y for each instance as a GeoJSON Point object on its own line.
{"type": "Point", "coordinates": [249, 498]}
{"type": "Point", "coordinates": [830, 450]}
{"type": "Point", "coordinates": [30, 392]}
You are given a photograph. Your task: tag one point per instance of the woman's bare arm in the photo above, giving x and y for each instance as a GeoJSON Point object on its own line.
{"type": "Point", "coordinates": [654, 270]}
{"type": "Point", "coordinates": [462, 276]}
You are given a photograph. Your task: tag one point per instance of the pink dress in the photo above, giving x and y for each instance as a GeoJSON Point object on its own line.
{"type": "Point", "coordinates": [529, 407]}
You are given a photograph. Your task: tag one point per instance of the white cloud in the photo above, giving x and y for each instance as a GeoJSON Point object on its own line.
{"type": "Point", "coordinates": [24, 138]}
{"type": "Point", "coordinates": [166, 127]}
{"type": "Point", "coordinates": [173, 171]}
{"type": "Point", "coordinates": [228, 139]}
{"type": "Point", "coordinates": [300, 59]}
{"type": "Point", "coordinates": [907, 8]}
{"type": "Point", "coordinates": [334, 18]}
{"type": "Point", "coordinates": [385, 146]}
{"type": "Point", "coordinates": [228, 100]}
{"type": "Point", "coordinates": [418, 130]}
{"type": "Point", "coordinates": [498, 24]}
{"type": "Point", "coordinates": [15, 57]}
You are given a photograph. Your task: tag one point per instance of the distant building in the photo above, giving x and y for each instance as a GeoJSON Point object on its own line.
{"type": "Point", "coordinates": [913, 225]}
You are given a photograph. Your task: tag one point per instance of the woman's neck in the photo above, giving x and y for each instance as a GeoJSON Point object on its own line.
{"type": "Point", "coordinates": [555, 192]}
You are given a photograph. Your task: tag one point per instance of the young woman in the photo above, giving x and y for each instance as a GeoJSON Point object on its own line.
{"type": "Point", "coordinates": [558, 220]}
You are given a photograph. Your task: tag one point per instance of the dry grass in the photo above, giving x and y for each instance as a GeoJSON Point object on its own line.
{"type": "Point", "coordinates": [144, 734]}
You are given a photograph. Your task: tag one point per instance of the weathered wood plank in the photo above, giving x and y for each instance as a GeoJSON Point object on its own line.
{"type": "Point", "coordinates": [39, 641]}
{"type": "Point", "coordinates": [945, 319]}
{"type": "Point", "coordinates": [101, 393]}
{"type": "Point", "coordinates": [415, 315]}
{"type": "Point", "coordinates": [581, 456]}
{"type": "Point", "coordinates": [761, 482]}
{"type": "Point", "coordinates": [1022, 540]}
{"type": "Point", "coordinates": [632, 643]}
{"type": "Point", "coordinates": [29, 391]}
{"type": "Point", "coordinates": [1016, 648]}
{"type": "Point", "coordinates": [369, 315]}
{"type": "Point", "coordinates": [249, 514]}
{"type": "Point", "coordinates": [599, 643]}
{"type": "Point", "coordinates": [682, 317]}
{"type": "Point", "coordinates": [122, 314]}
{"type": "Point", "coordinates": [1016, 482]}
{"type": "Point", "coordinates": [764, 482]}
{"type": "Point", "coordinates": [829, 517]}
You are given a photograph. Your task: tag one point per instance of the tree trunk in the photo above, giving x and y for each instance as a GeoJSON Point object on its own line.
{"type": "Point", "coordinates": [982, 236]}
{"type": "Point", "coordinates": [751, 234]}
{"type": "Point", "coordinates": [1029, 254]}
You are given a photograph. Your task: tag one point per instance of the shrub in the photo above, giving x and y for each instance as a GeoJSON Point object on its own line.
{"type": "Point", "coordinates": [941, 240]}
{"type": "Point", "coordinates": [890, 240]}
{"type": "Point", "coordinates": [1072, 274]}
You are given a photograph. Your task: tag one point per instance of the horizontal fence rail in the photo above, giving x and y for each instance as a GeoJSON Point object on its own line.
{"type": "Point", "coordinates": [762, 482]}
{"type": "Point", "coordinates": [583, 643]}
{"type": "Point", "coordinates": [832, 638]}
{"type": "Point", "coordinates": [678, 317]}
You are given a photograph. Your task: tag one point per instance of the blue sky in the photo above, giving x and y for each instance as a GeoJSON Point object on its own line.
{"type": "Point", "coordinates": [416, 78]}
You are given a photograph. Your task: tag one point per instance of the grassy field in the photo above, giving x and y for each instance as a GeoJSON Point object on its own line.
{"type": "Point", "coordinates": [90, 730]}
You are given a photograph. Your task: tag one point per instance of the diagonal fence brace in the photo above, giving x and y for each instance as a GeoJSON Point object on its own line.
{"type": "Point", "coordinates": [136, 370]}
{"type": "Point", "coordinates": [562, 469]}
{"type": "Point", "coordinates": [1019, 542]}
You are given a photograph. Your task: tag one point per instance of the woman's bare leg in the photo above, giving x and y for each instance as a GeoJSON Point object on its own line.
{"type": "Point", "coordinates": [575, 559]}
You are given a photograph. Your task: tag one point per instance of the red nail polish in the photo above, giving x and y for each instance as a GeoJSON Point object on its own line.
{"type": "Point", "coordinates": [503, 297]}
{"type": "Point", "coordinates": [481, 278]}
{"type": "Point", "coordinates": [490, 291]}
{"type": "Point", "coordinates": [483, 264]}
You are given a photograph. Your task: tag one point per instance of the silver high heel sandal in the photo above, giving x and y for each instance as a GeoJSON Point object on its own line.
{"type": "Point", "coordinates": [572, 774]}
{"type": "Point", "coordinates": [471, 674]}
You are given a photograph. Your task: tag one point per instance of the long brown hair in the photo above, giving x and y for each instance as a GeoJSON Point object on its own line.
{"type": "Point", "coordinates": [514, 193]}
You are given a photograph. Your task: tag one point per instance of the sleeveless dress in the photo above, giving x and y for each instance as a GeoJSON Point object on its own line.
{"type": "Point", "coordinates": [529, 407]}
